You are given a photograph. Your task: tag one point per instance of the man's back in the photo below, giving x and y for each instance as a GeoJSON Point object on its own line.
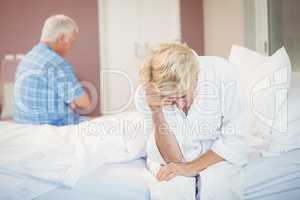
{"type": "Point", "coordinates": [45, 86]}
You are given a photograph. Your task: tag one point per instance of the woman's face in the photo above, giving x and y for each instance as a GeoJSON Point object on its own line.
{"type": "Point", "coordinates": [183, 102]}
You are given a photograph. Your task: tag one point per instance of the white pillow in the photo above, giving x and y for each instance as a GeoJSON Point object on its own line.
{"type": "Point", "coordinates": [286, 130]}
{"type": "Point", "coordinates": [261, 79]}
{"type": "Point", "coordinates": [7, 101]}
{"type": "Point", "coordinates": [240, 56]}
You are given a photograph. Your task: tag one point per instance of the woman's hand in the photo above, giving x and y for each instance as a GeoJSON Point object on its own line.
{"type": "Point", "coordinates": [155, 100]}
{"type": "Point", "coordinates": [171, 170]}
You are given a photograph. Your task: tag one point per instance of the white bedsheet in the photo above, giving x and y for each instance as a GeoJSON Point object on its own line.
{"type": "Point", "coordinates": [129, 181]}
{"type": "Point", "coordinates": [271, 178]}
{"type": "Point", "coordinates": [125, 181]}
{"type": "Point", "coordinates": [36, 159]}
{"type": "Point", "coordinates": [274, 178]}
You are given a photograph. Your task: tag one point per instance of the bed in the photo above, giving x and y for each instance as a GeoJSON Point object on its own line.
{"type": "Point", "coordinates": [279, 179]}
{"type": "Point", "coordinates": [273, 178]}
{"type": "Point", "coordinates": [127, 181]}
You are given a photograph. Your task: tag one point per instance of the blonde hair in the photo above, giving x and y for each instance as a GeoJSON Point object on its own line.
{"type": "Point", "coordinates": [172, 66]}
{"type": "Point", "coordinates": [56, 25]}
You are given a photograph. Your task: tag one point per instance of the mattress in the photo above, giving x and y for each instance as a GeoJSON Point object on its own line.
{"type": "Point", "coordinates": [126, 181]}
{"type": "Point", "coordinates": [273, 178]}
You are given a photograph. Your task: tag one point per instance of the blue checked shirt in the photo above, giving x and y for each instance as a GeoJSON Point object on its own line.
{"type": "Point", "coordinates": [45, 85]}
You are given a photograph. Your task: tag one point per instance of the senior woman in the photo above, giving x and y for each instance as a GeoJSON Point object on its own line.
{"type": "Point", "coordinates": [197, 145]}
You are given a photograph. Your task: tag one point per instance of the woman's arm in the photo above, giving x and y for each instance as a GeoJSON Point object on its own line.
{"type": "Point", "coordinates": [193, 168]}
{"type": "Point", "coordinates": [207, 159]}
{"type": "Point", "coordinates": [165, 140]}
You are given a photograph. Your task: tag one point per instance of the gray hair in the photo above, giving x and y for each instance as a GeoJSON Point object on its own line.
{"type": "Point", "coordinates": [56, 25]}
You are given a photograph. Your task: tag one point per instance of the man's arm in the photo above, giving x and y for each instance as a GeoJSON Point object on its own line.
{"type": "Point", "coordinates": [165, 140]}
{"type": "Point", "coordinates": [82, 102]}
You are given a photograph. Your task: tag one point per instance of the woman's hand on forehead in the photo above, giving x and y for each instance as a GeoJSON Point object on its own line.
{"type": "Point", "coordinates": [155, 99]}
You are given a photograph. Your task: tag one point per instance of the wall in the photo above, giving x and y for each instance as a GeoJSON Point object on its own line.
{"type": "Point", "coordinates": [223, 26]}
{"type": "Point", "coordinates": [191, 13]}
{"type": "Point", "coordinates": [21, 23]}
{"type": "Point", "coordinates": [290, 30]}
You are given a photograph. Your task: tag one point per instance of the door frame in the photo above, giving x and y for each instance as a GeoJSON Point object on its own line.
{"type": "Point", "coordinates": [262, 26]}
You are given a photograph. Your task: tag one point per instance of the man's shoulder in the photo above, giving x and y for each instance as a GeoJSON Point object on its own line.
{"type": "Point", "coordinates": [41, 56]}
{"type": "Point", "coordinates": [39, 61]}
{"type": "Point", "coordinates": [43, 52]}
{"type": "Point", "coordinates": [37, 57]}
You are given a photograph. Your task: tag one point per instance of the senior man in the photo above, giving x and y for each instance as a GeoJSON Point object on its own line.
{"type": "Point", "coordinates": [46, 88]}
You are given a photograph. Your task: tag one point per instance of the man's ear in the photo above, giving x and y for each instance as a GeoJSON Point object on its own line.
{"type": "Point", "coordinates": [61, 39]}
